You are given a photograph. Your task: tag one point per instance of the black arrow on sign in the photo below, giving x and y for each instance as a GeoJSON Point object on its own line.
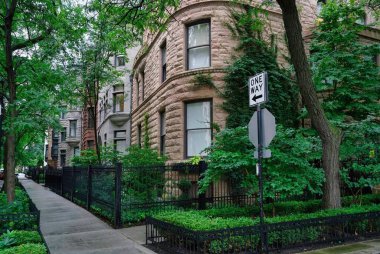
{"type": "Point", "coordinates": [255, 97]}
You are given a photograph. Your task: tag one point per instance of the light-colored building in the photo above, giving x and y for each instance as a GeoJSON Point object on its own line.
{"type": "Point", "coordinates": [114, 105]}
{"type": "Point", "coordinates": [196, 41]}
{"type": "Point", "coordinates": [64, 143]}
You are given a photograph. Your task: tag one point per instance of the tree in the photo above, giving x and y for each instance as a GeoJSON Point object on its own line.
{"type": "Point", "coordinates": [28, 29]}
{"type": "Point", "coordinates": [112, 26]}
{"type": "Point", "coordinates": [345, 72]}
{"type": "Point", "coordinates": [330, 135]}
{"type": "Point", "coordinates": [343, 67]}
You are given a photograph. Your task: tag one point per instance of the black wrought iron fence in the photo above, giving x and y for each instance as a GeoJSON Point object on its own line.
{"type": "Point", "coordinates": [125, 195]}
{"type": "Point", "coordinates": [96, 188]}
{"type": "Point", "coordinates": [37, 174]}
{"type": "Point", "coordinates": [285, 237]}
{"type": "Point", "coordinates": [148, 189]}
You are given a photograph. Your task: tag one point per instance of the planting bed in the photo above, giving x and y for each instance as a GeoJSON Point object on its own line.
{"type": "Point", "coordinates": [295, 225]}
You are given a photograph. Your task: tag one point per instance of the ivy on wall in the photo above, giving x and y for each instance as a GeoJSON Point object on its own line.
{"type": "Point", "coordinates": [256, 55]}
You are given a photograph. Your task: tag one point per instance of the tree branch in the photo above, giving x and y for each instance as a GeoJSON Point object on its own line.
{"type": "Point", "coordinates": [32, 41]}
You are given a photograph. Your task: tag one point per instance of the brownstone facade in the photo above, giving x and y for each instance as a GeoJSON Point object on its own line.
{"type": "Point", "coordinates": [154, 92]}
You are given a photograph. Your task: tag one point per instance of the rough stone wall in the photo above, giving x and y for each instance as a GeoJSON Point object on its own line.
{"type": "Point", "coordinates": [171, 95]}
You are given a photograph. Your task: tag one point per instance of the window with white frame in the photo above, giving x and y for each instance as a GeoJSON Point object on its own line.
{"type": "Point", "coordinates": [198, 127]}
{"type": "Point", "coordinates": [73, 129]}
{"type": "Point", "coordinates": [120, 141]}
{"type": "Point", "coordinates": [198, 45]}
{"type": "Point", "coordinates": [120, 61]}
{"type": "Point", "coordinates": [118, 102]}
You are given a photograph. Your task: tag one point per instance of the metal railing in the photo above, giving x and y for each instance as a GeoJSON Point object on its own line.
{"type": "Point", "coordinates": [127, 195]}
{"type": "Point", "coordinates": [285, 237]}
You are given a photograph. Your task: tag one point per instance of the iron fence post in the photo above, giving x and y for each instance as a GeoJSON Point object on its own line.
{"type": "Point", "coordinates": [73, 184]}
{"type": "Point", "coordinates": [117, 208]}
{"type": "Point", "coordinates": [201, 197]}
{"type": "Point", "coordinates": [45, 168]}
{"type": "Point", "coordinates": [62, 176]}
{"type": "Point", "coordinates": [89, 187]}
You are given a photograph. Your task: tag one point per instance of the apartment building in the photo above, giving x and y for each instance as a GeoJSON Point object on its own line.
{"type": "Point", "coordinates": [112, 109]}
{"type": "Point", "coordinates": [196, 41]}
{"type": "Point", "coordinates": [114, 105]}
{"type": "Point", "coordinates": [64, 143]}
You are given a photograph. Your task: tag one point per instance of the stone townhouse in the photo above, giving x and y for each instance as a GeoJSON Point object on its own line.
{"type": "Point", "coordinates": [63, 144]}
{"type": "Point", "coordinates": [196, 41]}
{"type": "Point", "coordinates": [114, 105]}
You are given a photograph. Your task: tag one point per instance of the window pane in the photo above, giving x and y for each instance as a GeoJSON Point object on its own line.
{"type": "Point", "coordinates": [76, 151]}
{"type": "Point", "coordinates": [198, 115]}
{"type": "Point", "coordinates": [197, 141]}
{"type": "Point", "coordinates": [120, 145]}
{"type": "Point", "coordinates": [73, 127]}
{"type": "Point", "coordinates": [118, 102]}
{"type": "Point", "coordinates": [163, 124]}
{"type": "Point", "coordinates": [199, 57]}
{"type": "Point", "coordinates": [163, 50]}
{"type": "Point", "coordinates": [198, 35]}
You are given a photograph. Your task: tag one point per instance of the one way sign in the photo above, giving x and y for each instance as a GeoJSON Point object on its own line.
{"type": "Point", "coordinates": [258, 89]}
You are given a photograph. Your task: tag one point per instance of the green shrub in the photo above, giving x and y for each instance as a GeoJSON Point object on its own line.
{"type": "Point", "coordinates": [20, 237]}
{"type": "Point", "coordinates": [21, 207]}
{"type": "Point", "coordinates": [201, 221]}
{"type": "Point", "coordinates": [28, 248]}
{"type": "Point", "coordinates": [20, 204]}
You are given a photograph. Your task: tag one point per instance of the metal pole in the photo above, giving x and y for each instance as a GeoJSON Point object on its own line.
{"type": "Point", "coordinates": [264, 244]}
{"type": "Point", "coordinates": [117, 205]}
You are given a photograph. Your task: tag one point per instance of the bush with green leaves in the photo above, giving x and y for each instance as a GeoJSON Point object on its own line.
{"type": "Point", "coordinates": [200, 221]}
{"type": "Point", "coordinates": [29, 248]}
{"type": "Point", "coordinates": [143, 177]}
{"type": "Point", "coordinates": [108, 156]}
{"type": "Point", "coordinates": [289, 172]}
{"type": "Point", "coordinates": [21, 217]}
{"type": "Point", "coordinates": [18, 237]}
{"type": "Point", "coordinates": [20, 205]}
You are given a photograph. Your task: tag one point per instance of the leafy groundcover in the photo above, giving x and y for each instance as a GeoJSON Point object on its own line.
{"type": "Point", "coordinates": [19, 225]}
{"type": "Point", "coordinates": [288, 225]}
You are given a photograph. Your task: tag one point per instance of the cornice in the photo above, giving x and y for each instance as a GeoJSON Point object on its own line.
{"type": "Point", "coordinates": [175, 77]}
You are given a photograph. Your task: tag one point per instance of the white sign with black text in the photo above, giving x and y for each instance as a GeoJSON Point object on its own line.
{"type": "Point", "coordinates": [258, 89]}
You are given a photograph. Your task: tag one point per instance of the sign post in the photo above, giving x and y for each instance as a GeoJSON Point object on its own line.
{"type": "Point", "coordinates": [261, 132]}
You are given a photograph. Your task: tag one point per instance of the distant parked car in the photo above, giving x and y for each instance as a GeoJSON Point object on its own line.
{"type": "Point", "coordinates": [1, 174]}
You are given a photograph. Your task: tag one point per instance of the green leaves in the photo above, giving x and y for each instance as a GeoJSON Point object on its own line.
{"type": "Point", "coordinates": [289, 172]}
{"type": "Point", "coordinates": [257, 55]}
{"type": "Point", "coordinates": [342, 64]}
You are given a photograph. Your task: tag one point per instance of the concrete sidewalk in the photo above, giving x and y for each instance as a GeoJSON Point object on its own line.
{"type": "Point", "coordinates": [366, 247]}
{"type": "Point", "coordinates": [70, 229]}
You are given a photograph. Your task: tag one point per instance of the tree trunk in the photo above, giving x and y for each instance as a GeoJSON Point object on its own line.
{"type": "Point", "coordinates": [330, 139]}
{"type": "Point", "coordinates": [11, 82]}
